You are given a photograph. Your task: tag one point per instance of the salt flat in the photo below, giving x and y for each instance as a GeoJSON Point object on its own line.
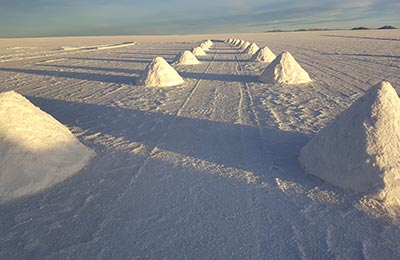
{"type": "Point", "coordinates": [208, 169]}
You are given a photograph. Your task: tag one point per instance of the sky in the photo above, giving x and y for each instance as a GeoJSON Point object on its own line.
{"type": "Point", "coordinates": [26, 18]}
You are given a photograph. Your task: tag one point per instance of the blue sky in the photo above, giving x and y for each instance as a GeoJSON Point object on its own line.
{"type": "Point", "coordinates": [20, 18]}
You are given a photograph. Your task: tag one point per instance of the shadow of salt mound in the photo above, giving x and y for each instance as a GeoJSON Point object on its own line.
{"type": "Point", "coordinates": [130, 60]}
{"type": "Point", "coordinates": [79, 75]}
{"type": "Point", "coordinates": [223, 60]}
{"type": "Point", "coordinates": [229, 53]}
{"type": "Point", "coordinates": [220, 77]}
{"type": "Point", "coordinates": [361, 55]}
{"type": "Point", "coordinates": [116, 70]}
{"type": "Point", "coordinates": [222, 143]}
{"type": "Point", "coordinates": [217, 40]}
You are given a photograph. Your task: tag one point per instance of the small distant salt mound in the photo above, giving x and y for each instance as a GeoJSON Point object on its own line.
{"type": "Point", "coordinates": [251, 49]}
{"type": "Point", "coordinates": [186, 58]}
{"type": "Point", "coordinates": [360, 149]}
{"type": "Point", "coordinates": [240, 43]}
{"type": "Point", "coordinates": [284, 70]}
{"type": "Point", "coordinates": [244, 46]}
{"type": "Point", "coordinates": [198, 51]}
{"type": "Point", "coordinates": [229, 40]}
{"type": "Point", "coordinates": [160, 74]}
{"type": "Point", "coordinates": [36, 151]}
{"type": "Point", "coordinates": [209, 43]}
{"type": "Point", "coordinates": [263, 55]}
{"type": "Point", "coordinates": [204, 46]}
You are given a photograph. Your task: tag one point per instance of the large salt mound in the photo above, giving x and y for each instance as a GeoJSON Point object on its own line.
{"type": "Point", "coordinates": [284, 70]}
{"type": "Point", "coordinates": [263, 55]}
{"type": "Point", "coordinates": [160, 74]}
{"type": "Point", "coordinates": [360, 150]}
{"type": "Point", "coordinates": [251, 49]}
{"type": "Point", "coordinates": [36, 151]}
{"type": "Point", "coordinates": [186, 58]}
{"type": "Point", "coordinates": [198, 51]}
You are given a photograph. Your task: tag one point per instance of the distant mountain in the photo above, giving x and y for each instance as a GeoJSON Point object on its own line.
{"type": "Point", "coordinates": [359, 28]}
{"type": "Point", "coordinates": [386, 27]}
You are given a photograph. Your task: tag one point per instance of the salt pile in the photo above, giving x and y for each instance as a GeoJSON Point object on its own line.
{"type": "Point", "coordinates": [360, 150]}
{"type": "Point", "coordinates": [160, 74]}
{"type": "Point", "coordinates": [186, 58]}
{"type": "Point", "coordinates": [240, 43]}
{"type": "Point", "coordinates": [36, 151]}
{"type": "Point", "coordinates": [204, 46]}
{"type": "Point", "coordinates": [263, 55]}
{"type": "Point", "coordinates": [244, 46]}
{"type": "Point", "coordinates": [284, 70]}
{"type": "Point", "coordinates": [198, 51]}
{"type": "Point", "coordinates": [251, 49]}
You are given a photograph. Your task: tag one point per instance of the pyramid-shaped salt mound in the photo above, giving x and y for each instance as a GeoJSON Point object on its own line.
{"type": "Point", "coordinates": [198, 51]}
{"type": "Point", "coordinates": [209, 43]}
{"type": "Point", "coordinates": [244, 46]}
{"type": "Point", "coordinates": [263, 55]}
{"type": "Point", "coordinates": [160, 74]}
{"type": "Point", "coordinates": [186, 58]}
{"type": "Point", "coordinates": [251, 49]}
{"type": "Point", "coordinates": [284, 70]}
{"type": "Point", "coordinates": [36, 151]}
{"type": "Point", "coordinates": [204, 46]}
{"type": "Point", "coordinates": [360, 150]}
{"type": "Point", "coordinates": [240, 43]}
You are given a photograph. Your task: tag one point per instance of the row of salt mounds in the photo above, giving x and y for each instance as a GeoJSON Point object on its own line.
{"type": "Point", "coordinates": [263, 55]}
{"type": "Point", "coordinates": [360, 150]}
{"type": "Point", "coordinates": [36, 150]}
{"type": "Point", "coordinates": [204, 46]}
{"type": "Point", "coordinates": [160, 74]}
{"type": "Point", "coordinates": [186, 58]}
{"type": "Point", "coordinates": [284, 70]}
{"type": "Point", "coordinates": [251, 49]}
{"type": "Point", "coordinates": [198, 51]}
{"type": "Point", "coordinates": [240, 43]}
{"type": "Point", "coordinates": [244, 46]}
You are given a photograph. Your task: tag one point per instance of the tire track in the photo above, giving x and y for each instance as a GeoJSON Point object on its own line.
{"type": "Point", "coordinates": [153, 150]}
